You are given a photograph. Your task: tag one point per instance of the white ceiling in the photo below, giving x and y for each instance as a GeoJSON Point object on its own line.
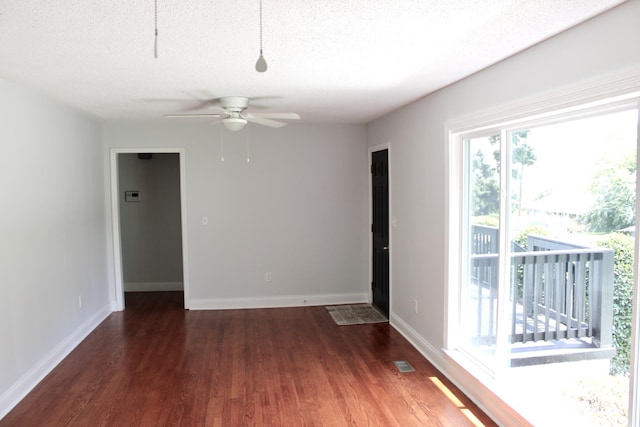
{"type": "Point", "coordinates": [347, 61]}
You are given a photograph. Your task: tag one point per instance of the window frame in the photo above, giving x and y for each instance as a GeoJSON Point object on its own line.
{"type": "Point", "coordinates": [594, 98]}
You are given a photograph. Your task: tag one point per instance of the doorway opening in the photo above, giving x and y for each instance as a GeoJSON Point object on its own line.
{"type": "Point", "coordinates": [149, 221]}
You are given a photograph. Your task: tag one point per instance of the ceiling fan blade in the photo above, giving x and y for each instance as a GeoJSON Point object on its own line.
{"type": "Point", "coordinates": [199, 99]}
{"type": "Point", "coordinates": [263, 121]}
{"type": "Point", "coordinates": [159, 100]}
{"type": "Point", "coordinates": [203, 104]}
{"type": "Point", "coordinates": [195, 115]}
{"type": "Point", "coordinates": [192, 101]}
{"type": "Point", "coordinates": [286, 116]}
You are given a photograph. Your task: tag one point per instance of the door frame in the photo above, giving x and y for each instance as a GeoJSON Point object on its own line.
{"type": "Point", "coordinates": [115, 220]}
{"type": "Point", "coordinates": [392, 222]}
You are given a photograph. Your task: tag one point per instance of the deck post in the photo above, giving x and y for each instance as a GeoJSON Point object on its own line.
{"type": "Point", "coordinates": [601, 300]}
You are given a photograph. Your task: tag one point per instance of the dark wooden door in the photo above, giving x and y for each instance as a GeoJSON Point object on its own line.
{"type": "Point", "coordinates": [380, 229]}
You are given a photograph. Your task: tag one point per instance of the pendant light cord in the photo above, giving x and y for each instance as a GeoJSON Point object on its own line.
{"type": "Point", "coordinates": [155, 40]}
{"type": "Point", "coordinates": [261, 64]}
{"type": "Point", "coordinates": [260, 27]}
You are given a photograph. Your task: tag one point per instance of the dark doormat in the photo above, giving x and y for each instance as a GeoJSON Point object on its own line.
{"type": "Point", "coordinates": [355, 314]}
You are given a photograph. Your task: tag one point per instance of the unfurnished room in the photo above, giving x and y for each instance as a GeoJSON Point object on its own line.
{"type": "Point", "coordinates": [329, 213]}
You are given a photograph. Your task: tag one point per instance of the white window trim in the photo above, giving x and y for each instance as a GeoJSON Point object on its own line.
{"type": "Point", "coordinates": [634, 383]}
{"type": "Point", "coordinates": [621, 86]}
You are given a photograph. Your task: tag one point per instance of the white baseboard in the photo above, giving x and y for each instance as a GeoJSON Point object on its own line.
{"type": "Point", "coordinates": [31, 378]}
{"type": "Point", "coordinates": [275, 302]}
{"type": "Point", "coordinates": [153, 286]}
{"type": "Point", "coordinates": [471, 386]}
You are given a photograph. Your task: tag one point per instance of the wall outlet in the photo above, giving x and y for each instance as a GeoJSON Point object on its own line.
{"type": "Point", "coordinates": [267, 276]}
{"type": "Point", "coordinates": [415, 306]}
{"type": "Point", "coordinates": [79, 301]}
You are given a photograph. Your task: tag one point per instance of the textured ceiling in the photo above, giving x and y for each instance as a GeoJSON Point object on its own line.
{"type": "Point", "coordinates": [329, 60]}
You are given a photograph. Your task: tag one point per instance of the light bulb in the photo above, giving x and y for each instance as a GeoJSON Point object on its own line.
{"type": "Point", "coordinates": [261, 64]}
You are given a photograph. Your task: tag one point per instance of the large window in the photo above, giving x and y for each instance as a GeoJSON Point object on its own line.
{"type": "Point", "coordinates": [543, 293]}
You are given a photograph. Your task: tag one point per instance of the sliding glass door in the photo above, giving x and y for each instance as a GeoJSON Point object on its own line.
{"type": "Point", "coordinates": [547, 261]}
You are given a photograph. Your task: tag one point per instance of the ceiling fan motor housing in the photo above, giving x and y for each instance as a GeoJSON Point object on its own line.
{"type": "Point", "coordinates": [234, 103]}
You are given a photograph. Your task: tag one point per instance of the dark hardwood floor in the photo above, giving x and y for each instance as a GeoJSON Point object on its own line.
{"type": "Point", "coordinates": [156, 364]}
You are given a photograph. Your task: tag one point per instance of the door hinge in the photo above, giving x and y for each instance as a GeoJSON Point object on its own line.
{"type": "Point", "coordinates": [372, 168]}
{"type": "Point", "coordinates": [372, 228]}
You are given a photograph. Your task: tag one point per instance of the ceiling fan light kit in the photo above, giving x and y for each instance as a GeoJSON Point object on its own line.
{"type": "Point", "coordinates": [234, 124]}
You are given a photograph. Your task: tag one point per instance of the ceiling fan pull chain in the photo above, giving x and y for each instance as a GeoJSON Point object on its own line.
{"type": "Point", "coordinates": [221, 145]}
{"type": "Point", "coordinates": [261, 64]}
{"type": "Point", "coordinates": [155, 40]}
{"type": "Point", "coordinates": [248, 158]}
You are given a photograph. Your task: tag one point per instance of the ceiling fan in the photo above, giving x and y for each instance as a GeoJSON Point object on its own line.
{"type": "Point", "coordinates": [234, 117]}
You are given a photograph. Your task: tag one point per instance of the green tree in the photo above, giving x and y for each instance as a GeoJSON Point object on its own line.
{"type": "Point", "coordinates": [485, 190]}
{"type": "Point", "coordinates": [614, 208]}
{"type": "Point", "coordinates": [522, 154]}
{"type": "Point", "coordinates": [622, 300]}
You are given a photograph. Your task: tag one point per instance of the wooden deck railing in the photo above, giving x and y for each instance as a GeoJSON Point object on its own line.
{"type": "Point", "coordinates": [554, 294]}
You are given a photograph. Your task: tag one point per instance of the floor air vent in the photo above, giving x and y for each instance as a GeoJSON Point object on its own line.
{"type": "Point", "coordinates": [403, 366]}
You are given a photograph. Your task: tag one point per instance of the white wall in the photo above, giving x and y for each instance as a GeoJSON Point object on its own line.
{"type": "Point", "coordinates": [298, 209]}
{"type": "Point", "coordinates": [607, 44]}
{"type": "Point", "coordinates": [150, 228]}
{"type": "Point", "coordinates": [52, 237]}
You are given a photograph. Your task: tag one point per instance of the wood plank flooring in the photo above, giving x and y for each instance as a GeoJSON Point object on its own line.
{"type": "Point", "coordinates": [156, 364]}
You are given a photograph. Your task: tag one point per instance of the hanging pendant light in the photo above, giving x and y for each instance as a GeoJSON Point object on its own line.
{"type": "Point", "coordinates": [261, 64]}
